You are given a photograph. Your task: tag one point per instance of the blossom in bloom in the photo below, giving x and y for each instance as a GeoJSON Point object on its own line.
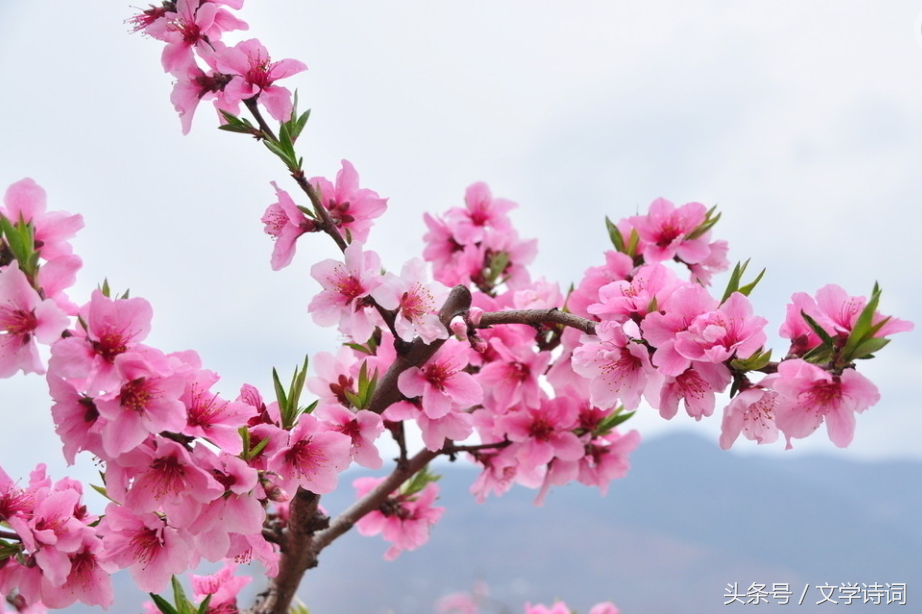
{"type": "Point", "coordinates": [362, 427]}
{"type": "Point", "coordinates": [147, 402]}
{"type": "Point", "coordinates": [661, 328]}
{"type": "Point", "coordinates": [441, 382]}
{"type": "Point", "coordinates": [481, 214]}
{"type": "Point", "coordinates": [196, 24]}
{"type": "Point", "coordinates": [351, 208]}
{"type": "Point", "coordinates": [810, 396]}
{"type": "Point", "coordinates": [334, 377]}
{"type": "Point", "coordinates": [167, 479]}
{"type": "Point", "coordinates": [715, 262]}
{"type": "Point", "coordinates": [256, 75]}
{"type": "Point", "coordinates": [417, 301]}
{"type": "Point", "coordinates": [147, 545]}
{"type": "Point", "coordinates": [194, 85]}
{"type": "Point", "coordinates": [624, 299]}
{"type": "Point", "coordinates": [618, 368]}
{"type": "Point", "coordinates": [512, 378]}
{"type": "Point", "coordinates": [752, 413]}
{"type": "Point", "coordinates": [617, 267]}
{"type": "Point", "coordinates": [543, 433]}
{"type": "Point", "coordinates": [836, 313]}
{"type": "Point", "coordinates": [729, 331]}
{"type": "Point", "coordinates": [25, 200]}
{"type": "Point", "coordinates": [223, 587]}
{"type": "Point", "coordinates": [696, 387]}
{"type": "Point", "coordinates": [113, 328]}
{"type": "Point", "coordinates": [285, 223]}
{"type": "Point", "coordinates": [455, 425]}
{"type": "Point", "coordinates": [345, 285]}
{"type": "Point", "coordinates": [51, 531]}
{"type": "Point", "coordinates": [211, 417]}
{"type": "Point", "coordinates": [666, 228]}
{"type": "Point", "coordinates": [89, 580]}
{"type": "Point", "coordinates": [24, 319]}
{"type": "Point", "coordinates": [404, 519]}
{"type": "Point", "coordinates": [313, 458]}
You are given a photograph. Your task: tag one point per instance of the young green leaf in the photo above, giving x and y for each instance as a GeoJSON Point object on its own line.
{"type": "Point", "coordinates": [162, 604]}
{"type": "Point", "coordinates": [615, 235]}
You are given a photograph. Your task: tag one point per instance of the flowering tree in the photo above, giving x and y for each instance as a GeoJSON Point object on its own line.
{"type": "Point", "coordinates": [531, 383]}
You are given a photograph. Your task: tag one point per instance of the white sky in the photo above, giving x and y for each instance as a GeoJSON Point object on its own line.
{"type": "Point", "coordinates": [803, 122]}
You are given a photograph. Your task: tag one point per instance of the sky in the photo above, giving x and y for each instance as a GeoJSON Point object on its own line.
{"type": "Point", "coordinates": [802, 122]}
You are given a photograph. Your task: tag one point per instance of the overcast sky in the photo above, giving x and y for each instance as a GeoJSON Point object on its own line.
{"type": "Point", "coordinates": [802, 121]}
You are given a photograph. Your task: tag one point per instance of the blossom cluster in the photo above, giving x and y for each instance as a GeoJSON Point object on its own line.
{"type": "Point", "coordinates": [188, 473]}
{"type": "Point", "coordinates": [206, 68]}
{"type": "Point", "coordinates": [543, 400]}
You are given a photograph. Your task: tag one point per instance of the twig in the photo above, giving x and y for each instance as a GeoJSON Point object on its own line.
{"type": "Point", "coordinates": [536, 317]}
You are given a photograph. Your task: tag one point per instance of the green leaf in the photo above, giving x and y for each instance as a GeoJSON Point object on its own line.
{"type": "Point", "coordinates": [230, 118]}
{"type": "Point", "coordinates": [360, 348]}
{"type": "Point", "coordinates": [279, 393]}
{"type": "Point", "coordinates": [819, 330]}
{"type": "Point", "coordinates": [162, 604]}
{"type": "Point", "coordinates": [819, 355]}
{"type": "Point", "coordinates": [203, 607]}
{"type": "Point", "coordinates": [259, 447]}
{"type": "Point", "coordinates": [299, 125]}
{"type": "Point", "coordinates": [615, 235]}
{"type": "Point", "coordinates": [748, 288]}
{"type": "Point", "coordinates": [245, 437]}
{"type": "Point", "coordinates": [298, 383]}
{"type": "Point", "coordinates": [611, 421]}
{"type": "Point", "coordinates": [867, 348]}
{"type": "Point", "coordinates": [755, 362]}
{"type": "Point", "coordinates": [238, 128]}
{"type": "Point", "coordinates": [733, 284]}
{"type": "Point", "coordinates": [864, 329]}
{"type": "Point", "coordinates": [419, 481]}
{"type": "Point", "coordinates": [102, 490]}
{"type": "Point", "coordinates": [179, 598]}
{"type": "Point", "coordinates": [633, 242]}
{"type": "Point", "coordinates": [705, 226]}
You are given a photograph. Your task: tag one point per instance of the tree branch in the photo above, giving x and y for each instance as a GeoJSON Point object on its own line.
{"type": "Point", "coordinates": [419, 352]}
{"type": "Point", "coordinates": [304, 521]}
{"type": "Point", "coordinates": [535, 317]}
{"type": "Point", "coordinates": [371, 501]}
{"type": "Point", "coordinates": [327, 224]}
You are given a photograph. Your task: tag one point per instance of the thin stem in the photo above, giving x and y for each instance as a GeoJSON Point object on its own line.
{"type": "Point", "coordinates": [10, 535]}
{"type": "Point", "coordinates": [254, 109]}
{"type": "Point", "coordinates": [418, 353]}
{"type": "Point", "coordinates": [535, 317]}
{"type": "Point", "coordinates": [372, 501]}
{"type": "Point", "coordinates": [327, 224]}
{"type": "Point", "coordinates": [453, 449]}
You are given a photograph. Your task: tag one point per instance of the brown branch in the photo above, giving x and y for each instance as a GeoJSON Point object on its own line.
{"type": "Point", "coordinates": [9, 535]}
{"type": "Point", "coordinates": [327, 224]}
{"type": "Point", "coordinates": [371, 501]}
{"type": "Point", "coordinates": [535, 317]}
{"type": "Point", "coordinates": [308, 531]}
{"type": "Point", "coordinates": [497, 445]}
{"type": "Point", "coordinates": [297, 557]}
{"type": "Point", "coordinates": [419, 352]}
{"type": "Point", "coordinates": [254, 109]}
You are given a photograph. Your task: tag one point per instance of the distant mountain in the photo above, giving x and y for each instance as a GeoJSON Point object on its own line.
{"type": "Point", "coordinates": [668, 539]}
